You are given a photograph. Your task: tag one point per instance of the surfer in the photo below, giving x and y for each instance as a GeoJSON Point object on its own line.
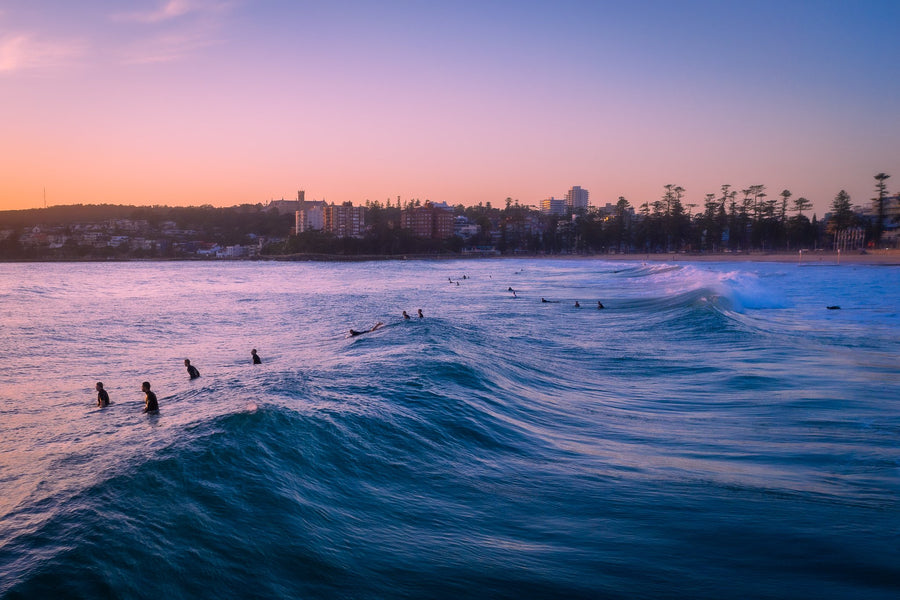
{"type": "Point", "coordinates": [834, 307]}
{"type": "Point", "coordinates": [549, 301]}
{"type": "Point", "coordinates": [256, 359]}
{"type": "Point", "coordinates": [102, 396]}
{"type": "Point", "coordinates": [405, 316]}
{"type": "Point", "coordinates": [150, 403]}
{"type": "Point", "coordinates": [421, 316]}
{"type": "Point", "coordinates": [353, 332]}
{"type": "Point", "coordinates": [191, 369]}
{"type": "Point", "coordinates": [577, 305]}
{"type": "Point", "coordinates": [600, 305]}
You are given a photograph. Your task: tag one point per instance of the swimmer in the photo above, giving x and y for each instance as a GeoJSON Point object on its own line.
{"type": "Point", "coordinates": [353, 332]}
{"type": "Point", "coordinates": [256, 359]}
{"type": "Point", "coordinates": [191, 369]}
{"type": "Point", "coordinates": [150, 403]}
{"type": "Point", "coordinates": [405, 316]}
{"type": "Point", "coordinates": [102, 396]}
{"type": "Point", "coordinates": [577, 305]}
{"type": "Point", "coordinates": [421, 316]}
{"type": "Point", "coordinates": [600, 305]}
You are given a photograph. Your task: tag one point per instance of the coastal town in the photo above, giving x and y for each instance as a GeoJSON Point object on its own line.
{"type": "Point", "coordinates": [734, 221]}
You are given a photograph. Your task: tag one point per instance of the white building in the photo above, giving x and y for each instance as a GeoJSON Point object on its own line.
{"type": "Point", "coordinates": [577, 199]}
{"type": "Point", "coordinates": [553, 206]}
{"type": "Point", "coordinates": [310, 216]}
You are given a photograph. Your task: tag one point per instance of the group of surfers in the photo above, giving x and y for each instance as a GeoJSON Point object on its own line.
{"type": "Point", "coordinates": [151, 403]}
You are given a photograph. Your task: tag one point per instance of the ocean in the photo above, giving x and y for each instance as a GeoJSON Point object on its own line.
{"type": "Point", "coordinates": [713, 432]}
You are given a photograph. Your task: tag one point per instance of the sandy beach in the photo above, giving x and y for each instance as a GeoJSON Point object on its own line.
{"type": "Point", "coordinates": [871, 257]}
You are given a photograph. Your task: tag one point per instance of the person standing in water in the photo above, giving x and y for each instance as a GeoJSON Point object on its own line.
{"type": "Point", "coordinates": [150, 403]}
{"type": "Point", "coordinates": [191, 369]}
{"type": "Point", "coordinates": [256, 359]}
{"type": "Point", "coordinates": [421, 316]}
{"type": "Point", "coordinates": [102, 396]}
{"type": "Point", "coordinates": [405, 316]}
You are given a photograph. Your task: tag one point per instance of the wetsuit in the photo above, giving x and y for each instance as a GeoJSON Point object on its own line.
{"type": "Point", "coordinates": [102, 398]}
{"type": "Point", "coordinates": [193, 372]}
{"type": "Point", "coordinates": [257, 360]}
{"type": "Point", "coordinates": [150, 404]}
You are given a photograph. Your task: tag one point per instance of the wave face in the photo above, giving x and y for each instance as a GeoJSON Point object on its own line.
{"type": "Point", "coordinates": [713, 432]}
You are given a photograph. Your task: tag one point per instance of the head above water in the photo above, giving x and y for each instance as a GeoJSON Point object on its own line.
{"type": "Point", "coordinates": [145, 386]}
{"type": "Point", "coordinates": [99, 385]}
{"type": "Point", "coordinates": [187, 362]}
{"type": "Point", "coordinates": [253, 351]}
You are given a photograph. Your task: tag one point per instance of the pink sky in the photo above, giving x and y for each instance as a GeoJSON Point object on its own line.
{"type": "Point", "coordinates": [223, 102]}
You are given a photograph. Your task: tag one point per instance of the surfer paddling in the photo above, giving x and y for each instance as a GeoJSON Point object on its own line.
{"type": "Point", "coordinates": [353, 332]}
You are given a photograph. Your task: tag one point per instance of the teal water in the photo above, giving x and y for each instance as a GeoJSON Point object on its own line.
{"type": "Point", "coordinates": [713, 432]}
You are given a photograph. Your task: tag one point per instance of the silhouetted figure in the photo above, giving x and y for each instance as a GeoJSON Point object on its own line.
{"type": "Point", "coordinates": [102, 396]}
{"type": "Point", "coordinates": [577, 305]}
{"type": "Point", "coordinates": [421, 316]}
{"type": "Point", "coordinates": [191, 369]}
{"type": "Point", "coordinates": [150, 403]}
{"type": "Point", "coordinates": [405, 316]}
{"type": "Point", "coordinates": [256, 359]}
{"type": "Point", "coordinates": [509, 289]}
{"type": "Point", "coordinates": [600, 305]}
{"type": "Point", "coordinates": [549, 301]}
{"type": "Point", "coordinates": [374, 327]}
{"type": "Point", "coordinates": [835, 307]}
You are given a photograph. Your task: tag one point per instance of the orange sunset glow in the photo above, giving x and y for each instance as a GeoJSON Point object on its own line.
{"type": "Point", "coordinates": [223, 102]}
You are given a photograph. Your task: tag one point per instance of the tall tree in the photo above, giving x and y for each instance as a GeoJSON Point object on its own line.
{"type": "Point", "coordinates": [881, 188]}
{"type": "Point", "coordinates": [842, 215]}
{"type": "Point", "coordinates": [785, 195]}
{"type": "Point", "coordinates": [801, 204]}
{"type": "Point", "coordinates": [621, 223]}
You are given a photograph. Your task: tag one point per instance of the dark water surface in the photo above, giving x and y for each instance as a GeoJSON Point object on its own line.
{"type": "Point", "coordinates": [713, 432]}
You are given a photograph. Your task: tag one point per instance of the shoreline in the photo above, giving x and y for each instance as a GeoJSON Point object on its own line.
{"type": "Point", "coordinates": [887, 257]}
{"type": "Point", "coordinates": [871, 257]}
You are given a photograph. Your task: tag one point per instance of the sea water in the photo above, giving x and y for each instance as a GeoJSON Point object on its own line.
{"type": "Point", "coordinates": [714, 432]}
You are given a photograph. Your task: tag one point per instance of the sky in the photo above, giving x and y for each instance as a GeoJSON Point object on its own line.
{"type": "Point", "coordinates": [225, 102]}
